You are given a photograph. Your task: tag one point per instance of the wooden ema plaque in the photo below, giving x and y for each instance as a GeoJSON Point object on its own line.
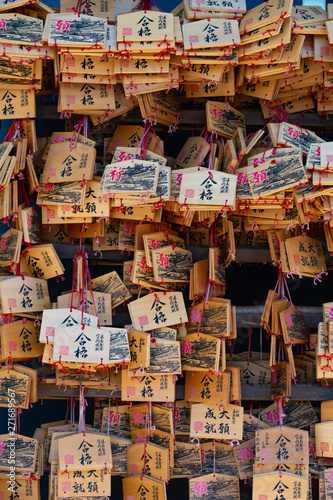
{"type": "Point", "coordinates": [147, 387]}
{"type": "Point", "coordinates": [149, 459]}
{"type": "Point", "coordinates": [212, 388]}
{"type": "Point", "coordinates": [24, 296]}
{"type": "Point", "coordinates": [19, 340]}
{"type": "Point", "coordinates": [215, 422]}
{"type": "Point", "coordinates": [200, 352]}
{"type": "Point", "coordinates": [283, 483]}
{"type": "Point", "coordinates": [287, 446]}
{"type": "Point", "coordinates": [80, 451]}
{"type": "Point", "coordinates": [159, 310]}
{"type": "Point", "coordinates": [81, 344]}
{"type": "Point", "coordinates": [143, 487]}
{"type": "Point", "coordinates": [214, 485]}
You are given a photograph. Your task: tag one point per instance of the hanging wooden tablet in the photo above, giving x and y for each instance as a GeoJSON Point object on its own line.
{"type": "Point", "coordinates": [200, 352]}
{"type": "Point", "coordinates": [149, 459]}
{"type": "Point", "coordinates": [305, 255]}
{"type": "Point", "coordinates": [280, 386]}
{"type": "Point", "coordinates": [213, 485]}
{"type": "Point", "coordinates": [172, 264]}
{"type": "Point", "coordinates": [81, 344]}
{"type": "Point", "coordinates": [324, 439]}
{"type": "Point", "coordinates": [212, 388]}
{"type": "Point", "coordinates": [244, 456]}
{"type": "Point", "coordinates": [68, 29]}
{"type": "Point", "coordinates": [194, 151]}
{"type": "Point", "coordinates": [119, 421]}
{"type": "Point", "coordinates": [235, 383]}
{"type": "Point", "coordinates": [162, 418]}
{"type": "Point", "coordinates": [208, 188]}
{"type": "Point", "coordinates": [127, 235]}
{"type": "Point", "coordinates": [33, 375]}
{"type": "Point", "coordinates": [147, 387]}
{"type": "Point", "coordinates": [297, 414]}
{"type": "Point", "coordinates": [152, 26]}
{"type": "Point", "coordinates": [65, 165]}
{"type": "Point", "coordinates": [221, 455]}
{"type": "Point", "coordinates": [62, 317]}
{"type": "Point", "coordinates": [160, 310]}
{"type": "Point", "coordinates": [282, 484]}
{"type": "Point", "coordinates": [10, 244]}
{"type": "Point", "coordinates": [215, 422]}
{"type": "Point", "coordinates": [41, 261]}
{"type": "Point", "coordinates": [25, 452]}
{"type": "Point", "coordinates": [271, 178]}
{"type": "Point", "coordinates": [187, 460]}
{"type": "Point", "coordinates": [216, 266]}
{"type": "Point", "coordinates": [119, 454]}
{"type": "Point", "coordinates": [17, 104]}
{"type": "Point", "coordinates": [139, 344]}
{"type": "Point", "coordinates": [154, 241]}
{"type": "Point", "coordinates": [19, 340]}
{"type": "Point", "coordinates": [23, 489]}
{"type": "Point", "coordinates": [143, 486]}
{"type": "Point", "coordinates": [111, 283]}
{"type": "Point", "coordinates": [14, 389]}
{"type": "Point", "coordinates": [293, 326]}
{"type": "Point", "coordinates": [205, 33]}
{"type": "Point", "coordinates": [164, 357]}
{"type": "Point", "coordinates": [64, 192]}
{"type": "Point", "coordinates": [111, 239]}
{"type": "Point", "coordinates": [296, 137]}
{"type": "Point", "coordinates": [165, 333]}
{"type": "Point", "coordinates": [80, 451]}
{"type": "Point", "coordinates": [142, 275]}
{"type": "Point", "coordinates": [130, 177]}
{"type": "Point", "coordinates": [31, 225]}
{"type": "Point", "coordinates": [223, 119]}
{"type": "Point", "coordinates": [286, 445]}
{"type": "Point", "coordinates": [214, 319]}
{"type": "Point", "coordinates": [23, 296]}
{"type": "Point", "coordinates": [90, 482]}
{"type": "Point", "coordinates": [182, 417]}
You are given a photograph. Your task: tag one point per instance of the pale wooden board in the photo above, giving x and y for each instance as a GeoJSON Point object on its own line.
{"type": "Point", "coordinates": [212, 421]}
{"type": "Point", "coordinates": [145, 26]}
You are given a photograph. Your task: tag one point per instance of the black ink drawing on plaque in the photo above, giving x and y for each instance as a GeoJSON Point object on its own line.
{"type": "Point", "coordinates": [119, 423]}
{"type": "Point", "coordinates": [299, 414]}
{"type": "Point", "coordinates": [187, 460]}
{"type": "Point", "coordinates": [111, 283]}
{"type": "Point", "coordinates": [225, 462]}
{"type": "Point", "coordinates": [16, 383]}
{"type": "Point", "coordinates": [164, 358]}
{"type": "Point", "coordinates": [174, 266]}
{"type": "Point", "coordinates": [161, 438]}
{"type": "Point", "coordinates": [182, 420]}
{"type": "Point", "coordinates": [202, 353]}
{"type": "Point", "coordinates": [83, 30]}
{"type": "Point", "coordinates": [119, 348]}
{"type": "Point", "coordinates": [216, 488]}
{"type": "Point", "coordinates": [161, 418]}
{"type": "Point", "coordinates": [22, 29]}
{"type": "Point", "coordinates": [64, 193]}
{"type": "Point", "coordinates": [276, 177]}
{"type": "Point", "coordinates": [295, 327]}
{"type": "Point", "coordinates": [25, 452]}
{"type": "Point", "coordinates": [165, 333]}
{"type": "Point", "coordinates": [163, 182]}
{"type": "Point", "coordinates": [136, 176]}
{"type": "Point", "coordinates": [119, 455]}
{"type": "Point", "coordinates": [8, 249]}
{"type": "Point", "coordinates": [214, 319]}
{"type": "Point", "coordinates": [33, 228]}
{"type": "Point", "coordinates": [19, 71]}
